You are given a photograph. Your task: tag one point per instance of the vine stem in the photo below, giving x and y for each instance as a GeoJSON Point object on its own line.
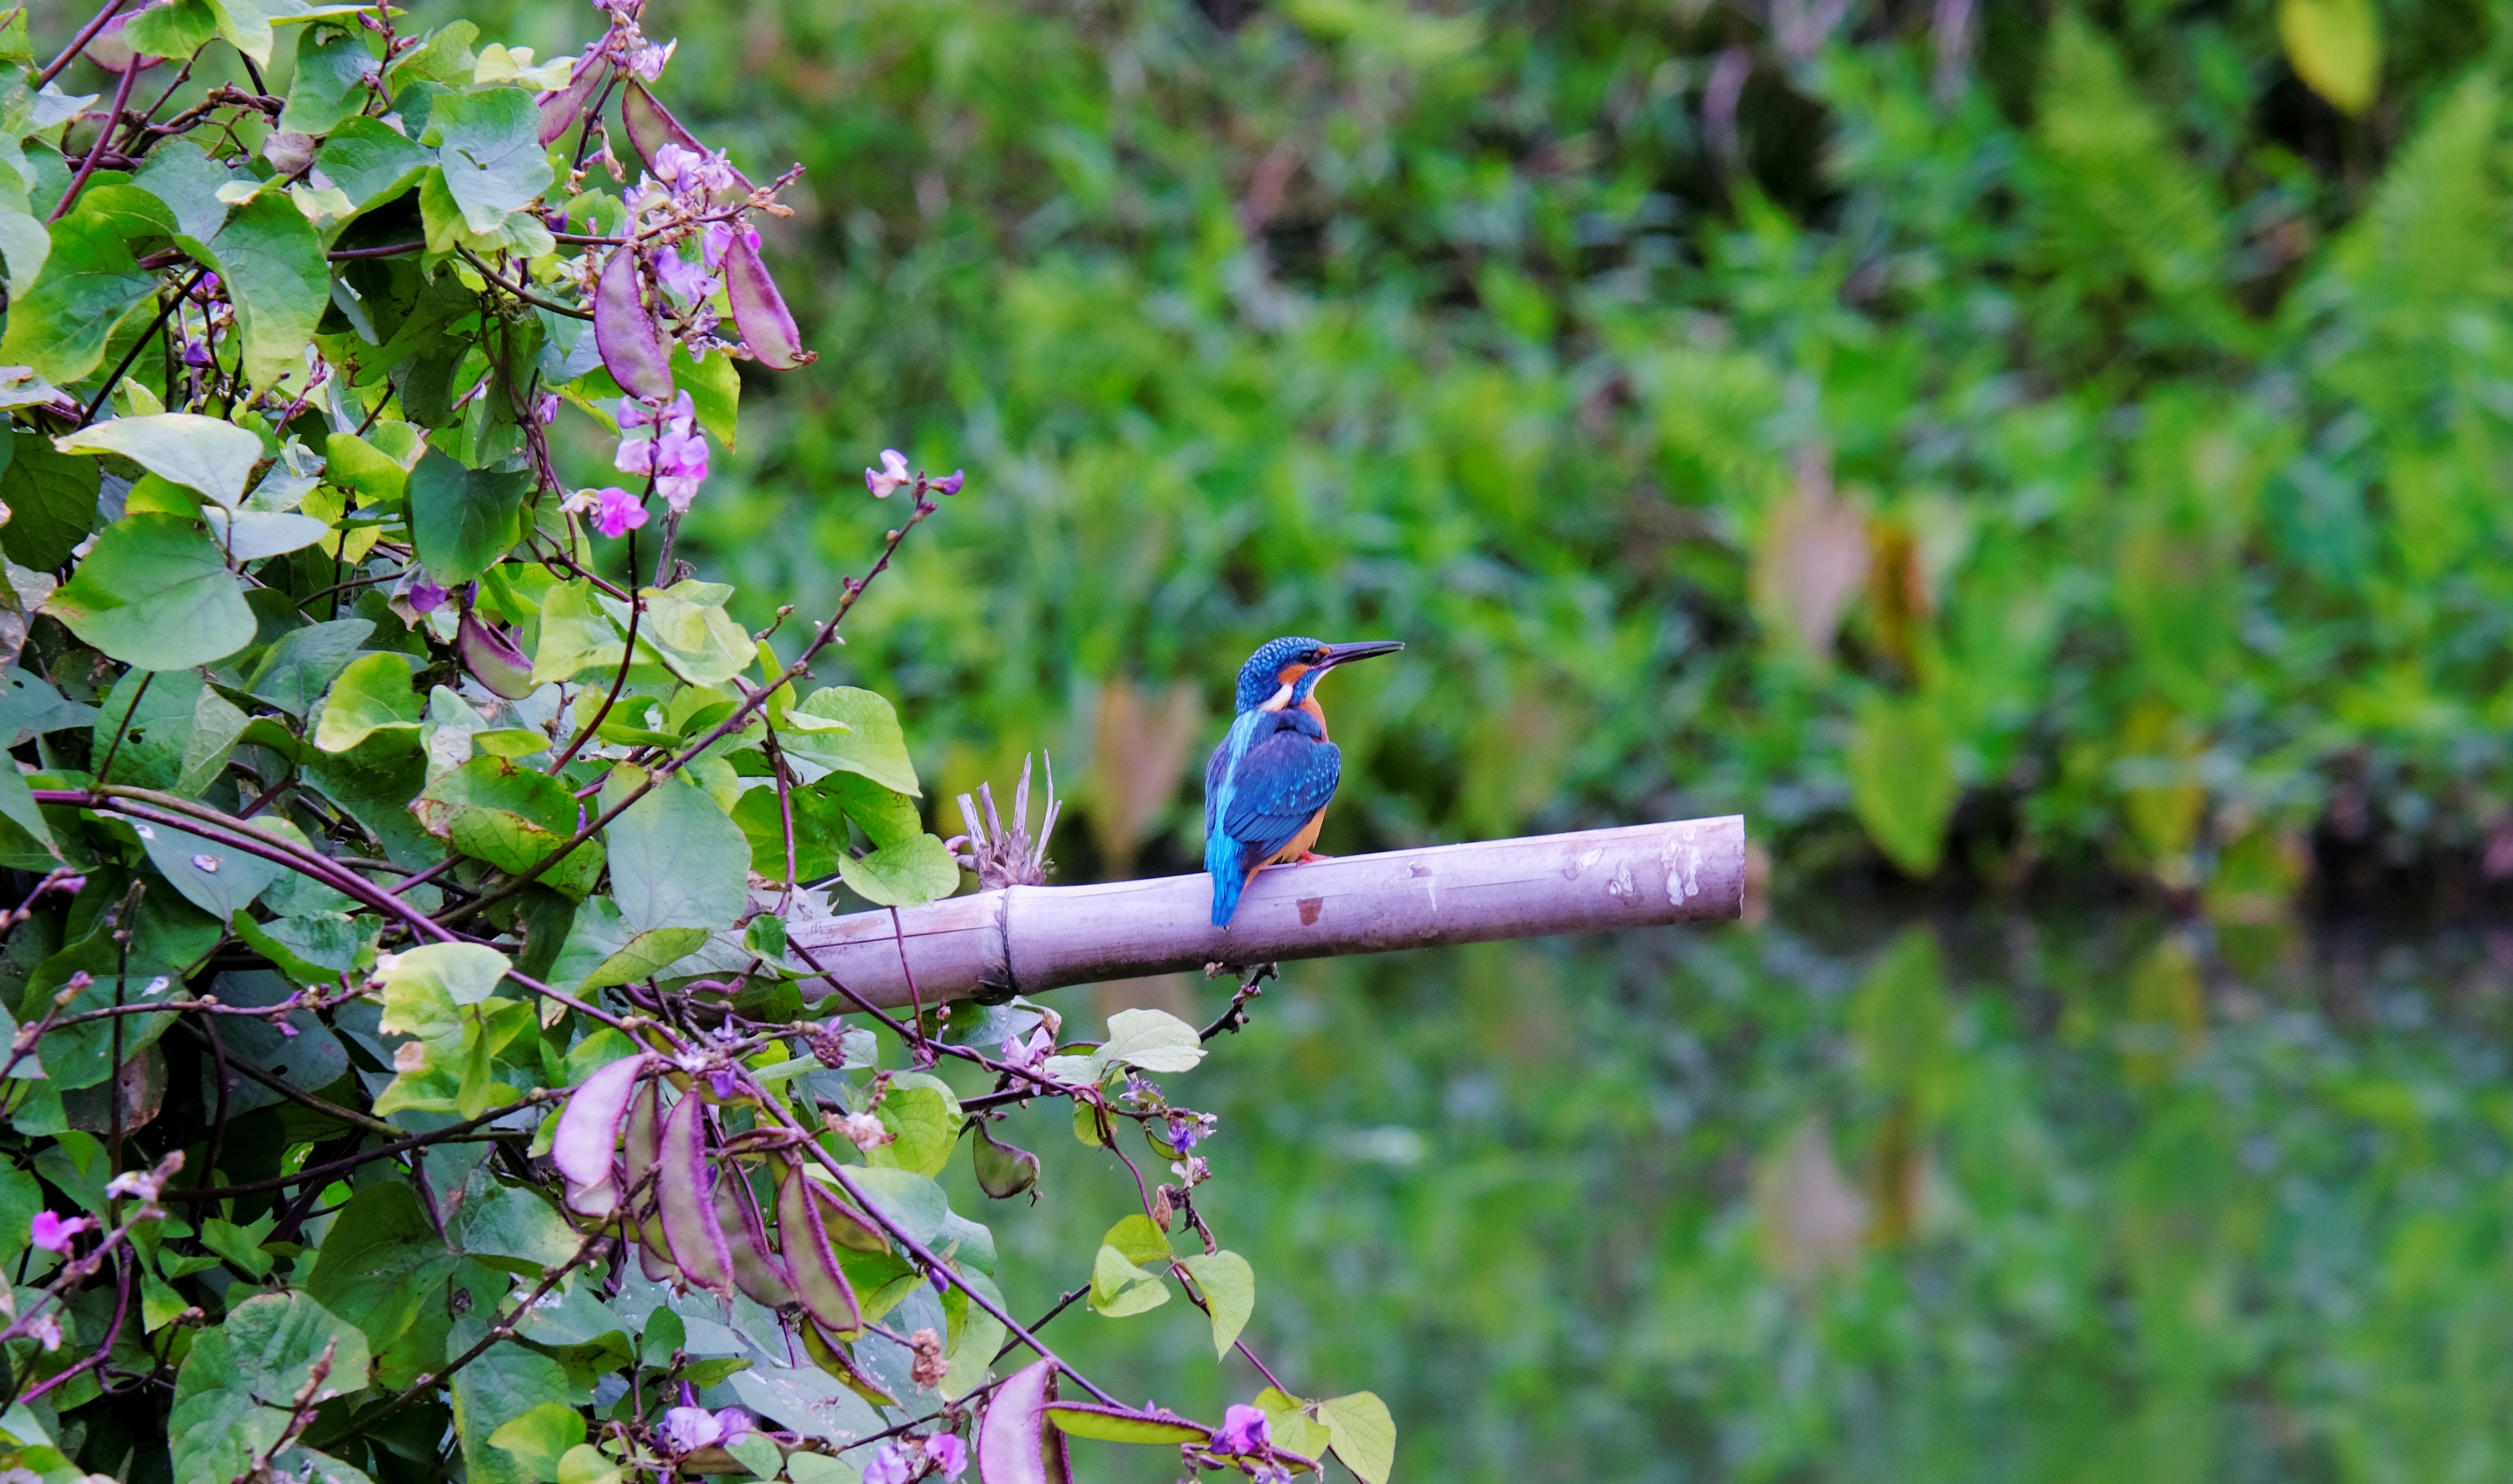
{"type": "Point", "coordinates": [95, 151]}
{"type": "Point", "coordinates": [935, 1270]}
{"type": "Point", "coordinates": [78, 43]}
{"type": "Point", "coordinates": [752, 700]}
{"type": "Point", "coordinates": [449, 1134]}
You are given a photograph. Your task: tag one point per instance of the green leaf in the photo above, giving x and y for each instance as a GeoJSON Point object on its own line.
{"type": "Point", "coordinates": [219, 878]}
{"type": "Point", "coordinates": [50, 497]}
{"type": "Point", "coordinates": [542, 1436]}
{"type": "Point", "coordinates": [90, 281]}
{"type": "Point", "coordinates": [293, 673]}
{"type": "Point", "coordinates": [512, 818]}
{"type": "Point", "coordinates": [506, 1383]}
{"type": "Point", "coordinates": [910, 874]}
{"type": "Point", "coordinates": [602, 950]}
{"type": "Point", "coordinates": [1363, 1434]}
{"type": "Point", "coordinates": [1289, 1420]}
{"type": "Point", "coordinates": [688, 629]}
{"type": "Point", "coordinates": [464, 973]}
{"type": "Point", "coordinates": [676, 860]}
{"type": "Point", "coordinates": [463, 520]}
{"type": "Point", "coordinates": [134, 214]}
{"type": "Point", "coordinates": [924, 1116]}
{"type": "Point", "coordinates": [271, 264]}
{"type": "Point", "coordinates": [1114, 1424]}
{"type": "Point", "coordinates": [241, 1245]}
{"type": "Point", "coordinates": [330, 64]}
{"type": "Point", "coordinates": [155, 594]}
{"type": "Point", "coordinates": [1151, 1040]}
{"type": "Point", "coordinates": [245, 27]}
{"type": "Point", "coordinates": [18, 805]}
{"type": "Point", "coordinates": [715, 391]}
{"type": "Point", "coordinates": [21, 1197]}
{"type": "Point", "coordinates": [1230, 1287]}
{"type": "Point", "coordinates": [371, 162]}
{"type": "Point", "coordinates": [1119, 1288]}
{"type": "Point", "coordinates": [865, 740]}
{"type": "Point", "coordinates": [364, 470]}
{"type": "Point", "coordinates": [444, 58]}
{"type": "Point", "coordinates": [510, 1227]}
{"type": "Point", "coordinates": [912, 1200]}
{"type": "Point", "coordinates": [203, 454]}
{"type": "Point", "coordinates": [233, 1397]}
{"type": "Point", "coordinates": [489, 142]}
{"type": "Point", "coordinates": [174, 30]}
{"type": "Point", "coordinates": [576, 633]}
{"type": "Point", "coordinates": [1138, 1239]}
{"type": "Point", "coordinates": [176, 735]}
{"type": "Point", "coordinates": [25, 243]}
{"type": "Point", "coordinates": [585, 1463]}
{"type": "Point", "coordinates": [373, 694]}
{"type": "Point", "coordinates": [249, 535]}
{"type": "Point", "coordinates": [1902, 780]}
{"type": "Point", "coordinates": [187, 180]}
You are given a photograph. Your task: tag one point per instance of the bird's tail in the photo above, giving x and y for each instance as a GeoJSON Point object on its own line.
{"type": "Point", "coordinates": [1221, 857]}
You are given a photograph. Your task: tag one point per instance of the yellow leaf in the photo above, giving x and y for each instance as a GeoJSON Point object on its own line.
{"type": "Point", "coordinates": [2336, 47]}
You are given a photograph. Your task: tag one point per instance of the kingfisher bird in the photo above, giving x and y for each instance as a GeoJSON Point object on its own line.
{"type": "Point", "coordinates": [1266, 789]}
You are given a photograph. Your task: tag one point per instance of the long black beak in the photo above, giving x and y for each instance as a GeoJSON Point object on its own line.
{"type": "Point", "coordinates": [1336, 654]}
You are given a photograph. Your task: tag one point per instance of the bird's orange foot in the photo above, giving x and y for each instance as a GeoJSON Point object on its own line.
{"type": "Point", "coordinates": [1308, 857]}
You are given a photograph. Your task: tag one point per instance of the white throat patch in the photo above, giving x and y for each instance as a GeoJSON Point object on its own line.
{"type": "Point", "coordinates": [1280, 700]}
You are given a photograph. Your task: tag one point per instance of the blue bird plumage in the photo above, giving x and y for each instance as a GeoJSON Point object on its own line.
{"type": "Point", "coordinates": [1266, 786]}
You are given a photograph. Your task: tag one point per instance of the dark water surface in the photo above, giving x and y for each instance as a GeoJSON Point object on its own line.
{"type": "Point", "coordinates": [1994, 1198]}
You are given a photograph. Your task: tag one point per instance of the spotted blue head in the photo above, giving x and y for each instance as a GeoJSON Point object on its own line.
{"type": "Point", "coordinates": [1284, 671]}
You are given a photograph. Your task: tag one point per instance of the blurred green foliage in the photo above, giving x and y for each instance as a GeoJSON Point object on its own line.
{"type": "Point", "coordinates": [2052, 436]}
{"type": "Point", "coordinates": [2072, 1200]}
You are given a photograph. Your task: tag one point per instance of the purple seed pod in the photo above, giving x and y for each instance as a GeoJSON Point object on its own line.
{"type": "Point", "coordinates": [756, 1272]}
{"type": "Point", "coordinates": [492, 658]}
{"type": "Point", "coordinates": [561, 109]}
{"type": "Point", "coordinates": [690, 1230]}
{"type": "Point", "coordinates": [766, 326]}
{"type": "Point", "coordinates": [651, 126]}
{"type": "Point", "coordinates": [632, 349]}
{"type": "Point", "coordinates": [819, 1281]}
{"type": "Point", "coordinates": [1015, 1443]}
{"type": "Point", "coordinates": [588, 1132]}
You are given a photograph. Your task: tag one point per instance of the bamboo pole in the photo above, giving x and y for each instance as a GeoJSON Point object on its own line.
{"type": "Point", "coordinates": [1021, 940]}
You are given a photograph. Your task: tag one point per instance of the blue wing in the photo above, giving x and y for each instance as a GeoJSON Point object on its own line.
{"type": "Point", "coordinates": [1263, 785]}
{"type": "Point", "coordinates": [1279, 785]}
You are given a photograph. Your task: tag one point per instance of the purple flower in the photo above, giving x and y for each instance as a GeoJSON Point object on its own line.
{"type": "Point", "coordinates": [548, 407]}
{"type": "Point", "coordinates": [52, 1234]}
{"type": "Point", "coordinates": [672, 161]}
{"type": "Point", "coordinates": [426, 597]}
{"type": "Point", "coordinates": [681, 415]}
{"type": "Point", "coordinates": [951, 482]}
{"type": "Point", "coordinates": [646, 61]}
{"type": "Point", "coordinates": [195, 353]}
{"type": "Point", "coordinates": [687, 1430]}
{"type": "Point", "coordinates": [681, 278]}
{"type": "Point", "coordinates": [885, 481]}
{"type": "Point", "coordinates": [677, 458]}
{"type": "Point", "coordinates": [617, 512]}
{"type": "Point", "coordinates": [718, 241]}
{"type": "Point", "coordinates": [1183, 1133]}
{"type": "Point", "coordinates": [1244, 1429]}
{"type": "Point", "coordinates": [1041, 1042]}
{"type": "Point", "coordinates": [888, 1466]}
{"type": "Point", "coordinates": [947, 1454]}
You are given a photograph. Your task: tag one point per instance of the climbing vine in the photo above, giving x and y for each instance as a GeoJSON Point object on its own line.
{"type": "Point", "coordinates": [408, 1072]}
